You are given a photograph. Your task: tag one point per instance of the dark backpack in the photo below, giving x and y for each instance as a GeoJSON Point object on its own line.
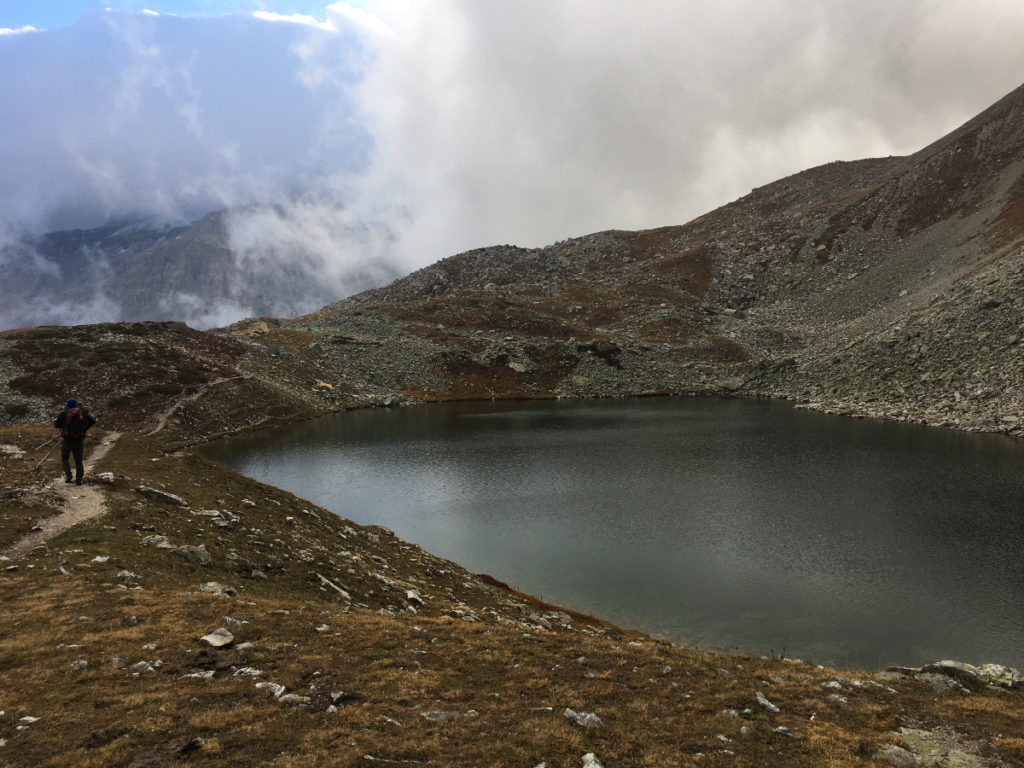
{"type": "Point", "coordinates": [74, 424]}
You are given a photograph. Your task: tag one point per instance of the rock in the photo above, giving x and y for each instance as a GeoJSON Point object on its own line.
{"type": "Point", "coordinates": [561, 617]}
{"type": "Point", "coordinates": [939, 683]}
{"type": "Point", "coordinates": [590, 761]}
{"type": "Point", "coordinates": [977, 678]}
{"type": "Point", "coordinates": [80, 666]}
{"type": "Point", "coordinates": [763, 701]}
{"type": "Point", "coordinates": [294, 700]}
{"type": "Point", "coordinates": [216, 588]}
{"type": "Point", "coordinates": [540, 621]}
{"type": "Point", "coordinates": [897, 756]}
{"type": "Point", "coordinates": [612, 634]}
{"type": "Point", "coordinates": [437, 716]}
{"type": "Point", "coordinates": [275, 689]}
{"type": "Point", "coordinates": [219, 638]}
{"type": "Point", "coordinates": [732, 384]}
{"type": "Point", "coordinates": [107, 478]}
{"type": "Point", "coordinates": [161, 496]}
{"type": "Point", "coordinates": [127, 576]}
{"type": "Point", "coordinates": [192, 554]}
{"type": "Point", "coordinates": [1006, 677]}
{"type": "Point", "coordinates": [583, 719]}
{"type": "Point", "coordinates": [939, 748]}
{"type": "Point", "coordinates": [158, 540]}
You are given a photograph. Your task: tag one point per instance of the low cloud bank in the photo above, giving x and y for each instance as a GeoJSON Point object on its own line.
{"type": "Point", "coordinates": [365, 144]}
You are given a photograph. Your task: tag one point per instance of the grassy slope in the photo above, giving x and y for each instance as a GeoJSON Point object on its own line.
{"type": "Point", "coordinates": [660, 705]}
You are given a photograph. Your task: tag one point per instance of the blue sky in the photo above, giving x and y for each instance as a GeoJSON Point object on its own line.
{"type": "Point", "coordinates": [52, 14]}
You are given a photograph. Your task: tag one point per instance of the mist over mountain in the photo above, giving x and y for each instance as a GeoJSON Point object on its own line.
{"type": "Point", "coordinates": [432, 124]}
{"type": "Point", "coordinates": [231, 264]}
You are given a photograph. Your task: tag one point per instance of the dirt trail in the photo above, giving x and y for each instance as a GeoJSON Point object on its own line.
{"type": "Point", "coordinates": [163, 418]}
{"type": "Point", "coordinates": [81, 502]}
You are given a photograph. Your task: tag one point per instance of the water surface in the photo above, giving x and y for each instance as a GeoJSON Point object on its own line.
{"type": "Point", "coordinates": [717, 524]}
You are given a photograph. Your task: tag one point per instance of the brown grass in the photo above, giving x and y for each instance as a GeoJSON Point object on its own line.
{"type": "Point", "coordinates": [390, 668]}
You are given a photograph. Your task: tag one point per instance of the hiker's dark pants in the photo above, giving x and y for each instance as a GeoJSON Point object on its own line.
{"type": "Point", "coordinates": [72, 446]}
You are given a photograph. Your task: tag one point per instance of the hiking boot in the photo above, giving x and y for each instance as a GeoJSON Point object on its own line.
{"type": "Point", "coordinates": [67, 479]}
{"type": "Point", "coordinates": [78, 481]}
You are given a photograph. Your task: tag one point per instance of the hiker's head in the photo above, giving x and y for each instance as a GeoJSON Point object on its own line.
{"type": "Point", "coordinates": [72, 402]}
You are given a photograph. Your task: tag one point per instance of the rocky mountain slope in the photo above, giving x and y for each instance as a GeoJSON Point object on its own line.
{"type": "Point", "coordinates": [881, 287]}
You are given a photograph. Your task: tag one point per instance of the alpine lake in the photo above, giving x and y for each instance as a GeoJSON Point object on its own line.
{"type": "Point", "coordinates": [730, 525]}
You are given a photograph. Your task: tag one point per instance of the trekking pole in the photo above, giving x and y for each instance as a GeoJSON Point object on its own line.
{"type": "Point", "coordinates": [40, 462]}
{"type": "Point", "coordinates": [48, 442]}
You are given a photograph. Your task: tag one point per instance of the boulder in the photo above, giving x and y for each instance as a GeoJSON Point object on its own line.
{"type": "Point", "coordinates": [977, 678]}
{"type": "Point", "coordinates": [219, 638]}
{"type": "Point", "coordinates": [216, 588]}
{"type": "Point", "coordinates": [764, 702]}
{"type": "Point", "coordinates": [897, 756]}
{"type": "Point", "coordinates": [192, 554]}
{"type": "Point", "coordinates": [583, 719]}
{"type": "Point", "coordinates": [276, 689]}
{"type": "Point", "coordinates": [161, 496]}
{"type": "Point", "coordinates": [157, 540]}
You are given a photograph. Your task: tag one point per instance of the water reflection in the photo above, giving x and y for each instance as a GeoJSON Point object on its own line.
{"type": "Point", "coordinates": [715, 523]}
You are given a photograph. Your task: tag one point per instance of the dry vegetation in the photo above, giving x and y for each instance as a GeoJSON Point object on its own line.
{"type": "Point", "coordinates": [101, 643]}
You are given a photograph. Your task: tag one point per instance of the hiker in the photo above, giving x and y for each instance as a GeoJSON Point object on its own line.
{"type": "Point", "coordinates": [73, 422]}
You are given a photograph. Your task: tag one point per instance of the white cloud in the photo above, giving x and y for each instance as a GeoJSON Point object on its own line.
{"type": "Point", "coordinates": [463, 124]}
{"type": "Point", "coordinates": [295, 18]}
{"type": "Point", "coordinates": [358, 16]}
{"type": "Point", "coordinates": [18, 31]}
{"type": "Point", "coordinates": [199, 314]}
{"type": "Point", "coordinates": [531, 121]}
{"type": "Point", "coordinates": [86, 310]}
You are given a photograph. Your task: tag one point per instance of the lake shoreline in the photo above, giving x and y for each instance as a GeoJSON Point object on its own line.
{"type": "Point", "coordinates": [760, 443]}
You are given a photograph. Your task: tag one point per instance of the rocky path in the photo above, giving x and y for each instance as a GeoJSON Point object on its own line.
{"type": "Point", "coordinates": [81, 502]}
